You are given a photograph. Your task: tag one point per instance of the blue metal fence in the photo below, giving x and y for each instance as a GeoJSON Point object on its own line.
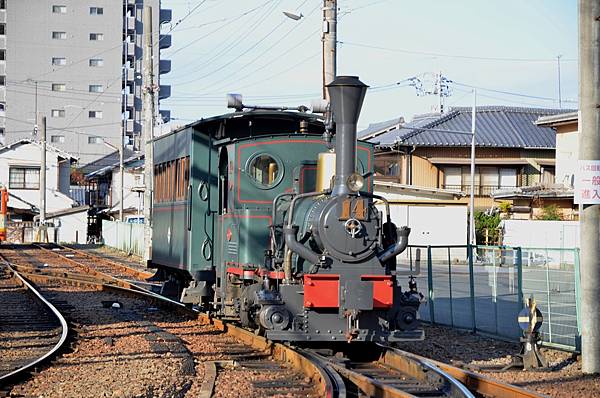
{"type": "Point", "coordinates": [485, 291]}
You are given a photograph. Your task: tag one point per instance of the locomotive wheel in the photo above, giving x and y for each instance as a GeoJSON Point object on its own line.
{"type": "Point", "coordinates": [248, 306]}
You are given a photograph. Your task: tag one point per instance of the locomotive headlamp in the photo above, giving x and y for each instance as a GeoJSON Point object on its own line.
{"type": "Point", "coordinates": [355, 182]}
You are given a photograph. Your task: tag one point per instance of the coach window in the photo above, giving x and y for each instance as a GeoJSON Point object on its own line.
{"type": "Point", "coordinates": [265, 170]}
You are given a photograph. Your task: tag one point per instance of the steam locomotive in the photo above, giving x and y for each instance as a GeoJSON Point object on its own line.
{"type": "Point", "coordinates": [268, 217]}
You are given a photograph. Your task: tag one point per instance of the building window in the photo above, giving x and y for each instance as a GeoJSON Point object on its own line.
{"type": "Point", "coordinates": [96, 11]}
{"type": "Point", "coordinates": [94, 140]}
{"type": "Point", "coordinates": [2, 4]}
{"type": "Point", "coordinates": [2, 55]}
{"type": "Point", "coordinates": [96, 88]}
{"type": "Point", "coordinates": [2, 29]}
{"type": "Point", "coordinates": [59, 9]}
{"type": "Point", "coordinates": [97, 36]}
{"type": "Point", "coordinates": [58, 113]}
{"type": "Point", "coordinates": [96, 62]}
{"type": "Point", "coordinates": [95, 114]}
{"type": "Point", "coordinates": [2, 80]}
{"type": "Point", "coordinates": [59, 61]}
{"type": "Point", "coordinates": [59, 87]}
{"type": "Point", "coordinates": [59, 35]}
{"type": "Point", "coordinates": [24, 178]}
{"type": "Point", "coordinates": [57, 139]}
{"type": "Point", "coordinates": [2, 106]}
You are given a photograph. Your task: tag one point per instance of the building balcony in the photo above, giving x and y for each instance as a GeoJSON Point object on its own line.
{"type": "Point", "coordinates": [129, 75]}
{"type": "Point", "coordinates": [165, 115]}
{"type": "Point", "coordinates": [166, 16]}
{"type": "Point", "coordinates": [130, 100]}
{"type": "Point", "coordinates": [164, 92]}
{"type": "Point", "coordinates": [164, 42]}
{"type": "Point", "coordinates": [480, 190]}
{"type": "Point", "coordinates": [130, 24]}
{"type": "Point", "coordinates": [164, 66]}
{"type": "Point", "coordinates": [129, 50]}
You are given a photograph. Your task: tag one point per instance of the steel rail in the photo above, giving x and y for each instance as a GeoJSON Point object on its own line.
{"type": "Point", "coordinates": [328, 380]}
{"type": "Point", "coordinates": [478, 383]}
{"type": "Point", "coordinates": [328, 385]}
{"type": "Point", "coordinates": [86, 267]}
{"type": "Point", "coordinates": [128, 270]}
{"type": "Point", "coordinates": [59, 316]}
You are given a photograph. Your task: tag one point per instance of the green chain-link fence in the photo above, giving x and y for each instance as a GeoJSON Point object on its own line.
{"type": "Point", "coordinates": [486, 291]}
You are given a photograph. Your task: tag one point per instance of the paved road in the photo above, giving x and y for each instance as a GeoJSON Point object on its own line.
{"type": "Point", "coordinates": [496, 305]}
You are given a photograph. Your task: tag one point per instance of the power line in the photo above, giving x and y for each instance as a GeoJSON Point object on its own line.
{"type": "Point", "coordinates": [264, 52]}
{"type": "Point", "coordinates": [511, 93]}
{"type": "Point", "coordinates": [233, 19]}
{"type": "Point", "coordinates": [442, 55]}
{"type": "Point", "coordinates": [237, 40]}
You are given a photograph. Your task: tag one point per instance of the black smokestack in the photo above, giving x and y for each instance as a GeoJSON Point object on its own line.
{"type": "Point", "coordinates": [346, 94]}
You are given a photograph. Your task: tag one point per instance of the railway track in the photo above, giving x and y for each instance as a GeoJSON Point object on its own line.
{"type": "Point", "coordinates": [384, 372]}
{"type": "Point", "coordinates": [32, 330]}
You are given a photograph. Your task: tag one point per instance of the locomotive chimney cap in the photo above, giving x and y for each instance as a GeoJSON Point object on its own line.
{"type": "Point", "coordinates": [346, 81]}
{"type": "Point", "coordinates": [346, 95]}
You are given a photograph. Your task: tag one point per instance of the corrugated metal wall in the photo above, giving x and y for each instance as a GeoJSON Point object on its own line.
{"type": "Point", "coordinates": [126, 237]}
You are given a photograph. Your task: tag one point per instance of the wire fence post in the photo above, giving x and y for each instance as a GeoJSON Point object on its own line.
{"type": "Point", "coordinates": [549, 309]}
{"type": "Point", "coordinates": [495, 287]}
{"type": "Point", "coordinates": [472, 285]}
{"type": "Point", "coordinates": [577, 291]}
{"type": "Point", "coordinates": [519, 264]}
{"type": "Point", "coordinates": [450, 288]}
{"type": "Point", "coordinates": [430, 286]}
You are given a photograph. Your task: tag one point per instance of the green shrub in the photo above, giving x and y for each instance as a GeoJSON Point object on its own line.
{"type": "Point", "coordinates": [505, 207]}
{"type": "Point", "coordinates": [485, 221]}
{"type": "Point", "coordinates": [550, 213]}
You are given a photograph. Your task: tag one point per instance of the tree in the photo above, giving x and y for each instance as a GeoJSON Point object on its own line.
{"type": "Point", "coordinates": [485, 221]}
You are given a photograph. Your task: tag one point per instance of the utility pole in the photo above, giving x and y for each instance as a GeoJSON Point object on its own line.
{"type": "Point", "coordinates": [472, 237]}
{"type": "Point", "coordinates": [440, 93]}
{"type": "Point", "coordinates": [558, 57]}
{"type": "Point", "coordinates": [329, 44]}
{"type": "Point", "coordinates": [122, 172]}
{"type": "Point", "coordinates": [589, 149]}
{"type": "Point", "coordinates": [148, 116]}
{"type": "Point", "coordinates": [42, 231]}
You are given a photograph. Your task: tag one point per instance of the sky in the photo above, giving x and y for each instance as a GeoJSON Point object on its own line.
{"type": "Point", "coordinates": [507, 49]}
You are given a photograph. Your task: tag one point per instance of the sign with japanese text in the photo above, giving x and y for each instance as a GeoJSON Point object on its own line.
{"type": "Point", "coordinates": [587, 182]}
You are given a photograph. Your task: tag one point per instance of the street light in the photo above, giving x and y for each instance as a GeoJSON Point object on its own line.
{"type": "Point", "coordinates": [293, 16]}
{"type": "Point", "coordinates": [121, 175]}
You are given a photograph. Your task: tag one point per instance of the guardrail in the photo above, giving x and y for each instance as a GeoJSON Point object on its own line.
{"type": "Point", "coordinates": [485, 291]}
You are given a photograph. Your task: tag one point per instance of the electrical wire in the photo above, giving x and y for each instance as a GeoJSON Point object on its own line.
{"type": "Point", "coordinates": [245, 66]}
{"type": "Point", "coordinates": [441, 55]}
{"type": "Point", "coordinates": [237, 40]}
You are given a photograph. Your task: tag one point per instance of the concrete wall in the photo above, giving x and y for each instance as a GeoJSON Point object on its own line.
{"type": "Point", "coordinates": [30, 48]}
{"type": "Point", "coordinates": [538, 233]}
{"type": "Point", "coordinates": [567, 149]}
{"type": "Point", "coordinates": [71, 228]}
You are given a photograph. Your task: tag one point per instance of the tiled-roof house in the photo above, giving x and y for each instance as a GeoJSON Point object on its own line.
{"type": "Point", "coordinates": [433, 150]}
